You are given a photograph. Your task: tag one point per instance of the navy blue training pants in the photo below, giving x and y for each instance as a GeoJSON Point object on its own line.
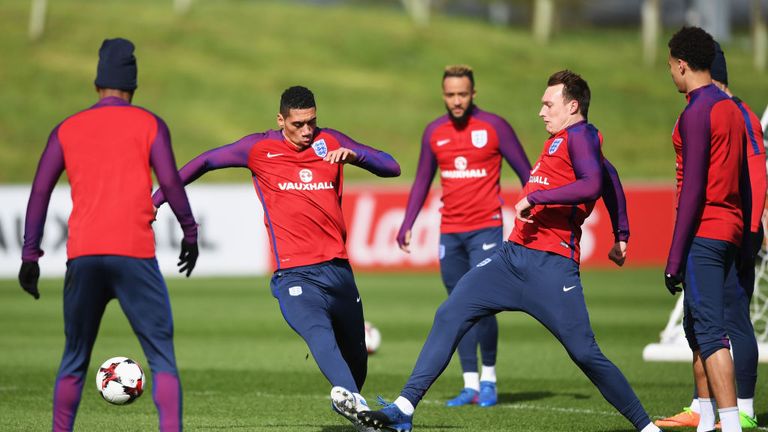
{"type": "Point", "coordinates": [90, 283]}
{"type": "Point", "coordinates": [459, 252]}
{"type": "Point", "coordinates": [321, 303]}
{"type": "Point", "coordinates": [707, 267]}
{"type": "Point", "coordinates": [547, 287]}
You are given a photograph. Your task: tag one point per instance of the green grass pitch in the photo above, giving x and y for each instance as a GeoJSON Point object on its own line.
{"type": "Point", "coordinates": [243, 368]}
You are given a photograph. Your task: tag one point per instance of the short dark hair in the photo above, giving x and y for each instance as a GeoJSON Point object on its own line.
{"type": "Point", "coordinates": [574, 88]}
{"type": "Point", "coordinates": [296, 97]}
{"type": "Point", "coordinates": [458, 71]}
{"type": "Point", "coordinates": [693, 45]}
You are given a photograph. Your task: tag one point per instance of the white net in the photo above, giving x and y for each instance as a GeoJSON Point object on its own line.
{"type": "Point", "coordinates": [673, 346]}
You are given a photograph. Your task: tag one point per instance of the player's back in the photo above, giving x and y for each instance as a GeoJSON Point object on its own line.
{"type": "Point", "coordinates": [106, 152]}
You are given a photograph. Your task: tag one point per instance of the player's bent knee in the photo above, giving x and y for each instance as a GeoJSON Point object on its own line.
{"type": "Point", "coordinates": [450, 314]}
{"type": "Point", "coordinates": [709, 348]}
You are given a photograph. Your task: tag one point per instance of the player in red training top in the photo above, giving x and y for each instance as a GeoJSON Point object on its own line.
{"type": "Point", "coordinates": [537, 271]}
{"type": "Point", "coordinates": [713, 209]}
{"type": "Point", "coordinates": [107, 151]}
{"type": "Point", "coordinates": [467, 144]}
{"type": "Point", "coordinates": [298, 173]}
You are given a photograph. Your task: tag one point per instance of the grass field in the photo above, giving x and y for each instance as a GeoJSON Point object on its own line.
{"type": "Point", "coordinates": [216, 75]}
{"type": "Point", "coordinates": [243, 369]}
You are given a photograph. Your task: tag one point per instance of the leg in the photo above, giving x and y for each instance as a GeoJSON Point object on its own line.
{"type": "Point", "coordinates": [555, 298]}
{"type": "Point", "coordinates": [708, 261]}
{"type": "Point", "coordinates": [304, 304]}
{"type": "Point", "coordinates": [487, 289]}
{"type": "Point", "coordinates": [85, 298]}
{"type": "Point", "coordinates": [349, 322]}
{"type": "Point", "coordinates": [483, 244]}
{"type": "Point", "coordinates": [738, 293]}
{"type": "Point", "coordinates": [454, 263]}
{"type": "Point", "coordinates": [143, 296]}
{"type": "Point", "coordinates": [483, 291]}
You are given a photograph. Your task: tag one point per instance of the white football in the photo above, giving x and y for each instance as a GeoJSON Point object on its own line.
{"type": "Point", "coordinates": [120, 380]}
{"type": "Point", "coordinates": [372, 338]}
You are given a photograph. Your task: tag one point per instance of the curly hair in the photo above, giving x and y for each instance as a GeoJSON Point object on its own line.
{"type": "Point", "coordinates": [296, 97]}
{"type": "Point", "coordinates": [693, 45]}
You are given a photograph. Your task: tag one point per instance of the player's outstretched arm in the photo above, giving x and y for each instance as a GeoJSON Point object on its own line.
{"type": "Point", "coordinates": [376, 161]}
{"type": "Point", "coordinates": [584, 150]}
{"type": "Point", "coordinates": [512, 151]}
{"type": "Point", "coordinates": [233, 155]}
{"type": "Point", "coordinates": [690, 204]}
{"type": "Point", "coordinates": [616, 203]}
{"type": "Point", "coordinates": [49, 170]}
{"type": "Point", "coordinates": [425, 173]}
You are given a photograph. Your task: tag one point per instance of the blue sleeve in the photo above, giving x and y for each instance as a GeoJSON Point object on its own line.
{"type": "Point", "coordinates": [584, 151]}
{"type": "Point", "coordinates": [695, 131]}
{"type": "Point", "coordinates": [233, 155]}
{"type": "Point", "coordinates": [615, 201]}
{"type": "Point", "coordinates": [376, 161]}
{"type": "Point", "coordinates": [425, 173]}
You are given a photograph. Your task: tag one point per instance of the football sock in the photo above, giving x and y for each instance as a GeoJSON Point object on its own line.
{"type": "Point", "coordinates": [746, 406]}
{"type": "Point", "coordinates": [167, 395]}
{"type": "Point", "coordinates": [695, 407]}
{"type": "Point", "coordinates": [488, 373]}
{"type": "Point", "coordinates": [66, 398]}
{"type": "Point", "coordinates": [404, 405]}
{"type": "Point", "coordinates": [729, 419]}
{"type": "Point", "coordinates": [472, 380]}
{"type": "Point", "coordinates": [707, 413]}
{"type": "Point", "coordinates": [650, 428]}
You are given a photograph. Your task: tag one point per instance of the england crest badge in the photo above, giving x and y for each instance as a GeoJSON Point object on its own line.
{"type": "Point", "coordinates": [320, 148]}
{"type": "Point", "coordinates": [479, 138]}
{"type": "Point", "coordinates": [555, 145]}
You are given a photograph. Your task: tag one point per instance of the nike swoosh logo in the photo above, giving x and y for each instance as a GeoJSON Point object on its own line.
{"type": "Point", "coordinates": [487, 246]}
{"type": "Point", "coordinates": [357, 300]}
{"type": "Point", "coordinates": [566, 289]}
{"type": "Point", "coordinates": [443, 142]}
{"type": "Point", "coordinates": [271, 155]}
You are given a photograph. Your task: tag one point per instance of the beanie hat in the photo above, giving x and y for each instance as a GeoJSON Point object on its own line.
{"type": "Point", "coordinates": [117, 65]}
{"type": "Point", "coordinates": [719, 70]}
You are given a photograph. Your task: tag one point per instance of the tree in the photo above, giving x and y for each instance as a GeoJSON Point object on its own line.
{"type": "Point", "coordinates": [418, 10]}
{"type": "Point", "coordinates": [651, 22]}
{"type": "Point", "coordinates": [758, 36]}
{"type": "Point", "coordinates": [37, 19]}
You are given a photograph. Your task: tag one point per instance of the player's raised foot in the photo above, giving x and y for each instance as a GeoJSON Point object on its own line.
{"type": "Point", "coordinates": [686, 418]}
{"type": "Point", "coordinates": [389, 418]}
{"type": "Point", "coordinates": [467, 396]}
{"type": "Point", "coordinates": [487, 396]}
{"type": "Point", "coordinates": [349, 404]}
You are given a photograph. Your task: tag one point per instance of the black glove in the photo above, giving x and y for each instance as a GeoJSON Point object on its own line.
{"type": "Point", "coordinates": [673, 283]}
{"type": "Point", "coordinates": [756, 242]}
{"type": "Point", "coordinates": [28, 276]}
{"type": "Point", "coordinates": [187, 257]}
